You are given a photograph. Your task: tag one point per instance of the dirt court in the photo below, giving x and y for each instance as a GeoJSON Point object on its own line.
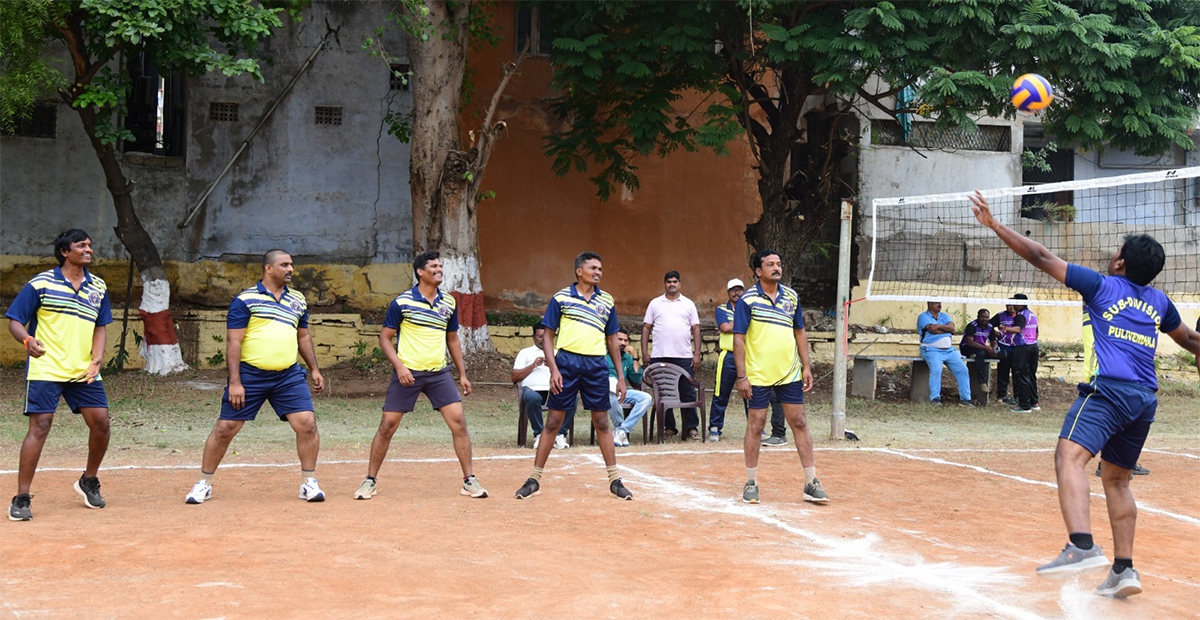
{"type": "Point", "coordinates": [909, 533]}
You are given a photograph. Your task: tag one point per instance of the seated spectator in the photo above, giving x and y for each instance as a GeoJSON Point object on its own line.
{"type": "Point", "coordinates": [937, 348]}
{"type": "Point", "coordinates": [530, 370]}
{"type": "Point", "coordinates": [979, 343]}
{"type": "Point", "coordinates": [640, 400]}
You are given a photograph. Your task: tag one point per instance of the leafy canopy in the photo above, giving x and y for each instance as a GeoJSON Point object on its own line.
{"type": "Point", "coordinates": [195, 36]}
{"type": "Point", "coordinates": [1126, 72]}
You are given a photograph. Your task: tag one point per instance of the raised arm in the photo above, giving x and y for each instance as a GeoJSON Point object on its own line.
{"type": "Point", "coordinates": [1033, 252]}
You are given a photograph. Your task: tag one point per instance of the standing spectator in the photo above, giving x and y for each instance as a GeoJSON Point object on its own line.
{"type": "Point", "coordinates": [979, 338]}
{"type": "Point", "coordinates": [641, 401]}
{"type": "Point", "coordinates": [727, 373]}
{"type": "Point", "coordinates": [65, 309]}
{"type": "Point", "coordinates": [1025, 359]}
{"type": "Point", "coordinates": [676, 335]}
{"type": "Point", "coordinates": [1004, 343]}
{"type": "Point", "coordinates": [937, 348]}
{"type": "Point", "coordinates": [531, 371]}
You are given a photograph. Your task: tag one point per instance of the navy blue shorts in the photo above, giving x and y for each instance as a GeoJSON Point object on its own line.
{"type": "Point", "coordinates": [791, 393]}
{"type": "Point", "coordinates": [1111, 418]}
{"type": "Point", "coordinates": [286, 389]}
{"type": "Point", "coordinates": [42, 396]}
{"type": "Point", "coordinates": [438, 386]}
{"type": "Point", "coordinates": [585, 376]}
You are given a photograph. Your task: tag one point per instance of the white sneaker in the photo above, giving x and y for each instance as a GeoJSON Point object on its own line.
{"type": "Point", "coordinates": [536, 440]}
{"type": "Point", "coordinates": [560, 442]}
{"type": "Point", "coordinates": [199, 493]}
{"type": "Point", "coordinates": [620, 439]}
{"type": "Point", "coordinates": [310, 491]}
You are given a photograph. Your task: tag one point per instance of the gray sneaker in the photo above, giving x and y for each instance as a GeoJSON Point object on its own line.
{"type": "Point", "coordinates": [750, 492]}
{"type": "Point", "coordinates": [814, 493]}
{"type": "Point", "coordinates": [472, 488]}
{"type": "Point", "coordinates": [20, 510]}
{"type": "Point", "coordinates": [89, 490]}
{"type": "Point", "coordinates": [366, 490]}
{"type": "Point", "coordinates": [618, 488]}
{"type": "Point", "coordinates": [530, 488]}
{"type": "Point", "coordinates": [774, 441]}
{"type": "Point", "coordinates": [1074, 559]}
{"type": "Point", "coordinates": [1120, 585]}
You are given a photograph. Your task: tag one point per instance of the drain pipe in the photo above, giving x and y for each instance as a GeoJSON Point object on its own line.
{"type": "Point", "coordinates": [245, 143]}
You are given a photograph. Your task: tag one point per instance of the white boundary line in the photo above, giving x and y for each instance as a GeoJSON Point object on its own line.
{"type": "Point", "coordinates": [858, 557]}
{"type": "Point", "coordinates": [1142, 505]}
{"type": "Point", "coordinates": [1183, 454]}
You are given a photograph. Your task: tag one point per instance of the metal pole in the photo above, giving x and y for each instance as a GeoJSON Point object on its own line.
{"type": "Point", "coordinates": [837, 428]}
{"type": "Point", "coordinates": [191, 215]}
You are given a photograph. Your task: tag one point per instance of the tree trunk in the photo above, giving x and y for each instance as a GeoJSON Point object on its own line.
{"type": "Point", "coordinates": [441, 172]}
{"type": "Point", "coordinates": [799, 178]}
{"type": "Point", "coordinates": [160, 348]}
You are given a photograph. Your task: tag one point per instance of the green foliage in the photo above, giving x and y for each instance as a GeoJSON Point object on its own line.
{"type": "Point", "coordinates": [364, 361]}
{"type": "Point", "coordinates": [1035, 159]}
{"type": "Point", "coordinates": [195, 36]}
{"type": "Point", "coordinates": [512, 319]}
{"type": "Point", "coordinates": [216, 359]}
{"type": "Point", "coordinates": [1127, 74]}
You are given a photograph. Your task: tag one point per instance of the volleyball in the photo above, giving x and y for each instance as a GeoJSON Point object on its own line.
{"type": "Point", "coordinates": [1031, 92]}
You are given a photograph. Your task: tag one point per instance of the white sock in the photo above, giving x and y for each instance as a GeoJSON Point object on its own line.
{"type": "Point", "coordinates": [810, 474]}
{"type": "Point", "coordinates": [751, 474]}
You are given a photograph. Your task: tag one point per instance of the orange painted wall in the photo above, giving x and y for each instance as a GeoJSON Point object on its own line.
{"type": "Point", "coordinates": [689, 215]}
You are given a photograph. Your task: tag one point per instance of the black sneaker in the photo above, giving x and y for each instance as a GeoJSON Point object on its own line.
{"type": "Point", "coordinates": [1138, 470]}
{"type": "Point", "coordinates": [89, 488]}
{"type": "Point", "coordinates": [19, 510]}
{"type": "Point", "coordinates": [528, 489]}
{"type": "Point", "coordinates": [619, 490]}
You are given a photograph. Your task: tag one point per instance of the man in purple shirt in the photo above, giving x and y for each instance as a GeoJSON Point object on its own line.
{"type": "Point", "coordinates": [1114, 411]}
{"type": "Point", "coordinates": [672, 322]}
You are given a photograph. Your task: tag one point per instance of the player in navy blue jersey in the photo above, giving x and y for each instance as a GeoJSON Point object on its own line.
{"type": "Point", "coordinates": [1114, 411]}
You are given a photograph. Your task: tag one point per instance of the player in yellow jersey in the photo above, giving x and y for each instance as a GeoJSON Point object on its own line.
{"type": "Point", "coordinates": [770, 350]}
{"type": "Point", "coordinates": [59, 317]}
{"type": "Point", "coordinates": [420, 326]}
{"type": "Point", "coordinates": [581, 324]}
{"type": "Point", "coordinates": [267, 326]}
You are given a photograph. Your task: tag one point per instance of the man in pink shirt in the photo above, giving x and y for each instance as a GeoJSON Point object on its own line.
{"type": "Point", "coordinates": [674, 326]}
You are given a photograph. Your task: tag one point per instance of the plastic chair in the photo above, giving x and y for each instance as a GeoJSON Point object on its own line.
{"type": "Point", "coordinates": [665, 380]}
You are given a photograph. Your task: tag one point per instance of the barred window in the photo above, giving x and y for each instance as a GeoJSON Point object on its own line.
{"type": "Point", "coordinates": [222, 111]}
{"type": "Point", "coordinates": [887, 132]}
{"type": "Point", "coordinates": [328, 115]}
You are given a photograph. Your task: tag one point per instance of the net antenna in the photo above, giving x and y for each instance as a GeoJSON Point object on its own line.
{"type": "Point", "coordinates": [931, 247]}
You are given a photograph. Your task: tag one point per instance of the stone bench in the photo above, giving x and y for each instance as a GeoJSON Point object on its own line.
{"type": "Point", "coordinates": [865, 377]}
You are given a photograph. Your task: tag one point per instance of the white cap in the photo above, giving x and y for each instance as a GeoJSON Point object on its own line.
{"type": "Point", "coordinates": [734, 282]}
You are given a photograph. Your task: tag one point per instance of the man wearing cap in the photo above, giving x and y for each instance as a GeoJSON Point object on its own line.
{"type": "Point", "coordinates": [937, 348]}
{"type": "Point", "coordinates": [1024, 335]}
{"type": "Point", "coordinates": [727, 374]}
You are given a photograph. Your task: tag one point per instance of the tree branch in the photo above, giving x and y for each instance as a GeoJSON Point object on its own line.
{"type": "Point", "coordinates": [490, 132]}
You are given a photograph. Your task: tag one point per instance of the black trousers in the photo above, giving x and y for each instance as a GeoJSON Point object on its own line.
{"type": "Point", "coordinates": [979, 371]}
{"type": "Point", "coordinates": [1003, 372]}
{"type": "Point", "coordinates": [1024, 370]}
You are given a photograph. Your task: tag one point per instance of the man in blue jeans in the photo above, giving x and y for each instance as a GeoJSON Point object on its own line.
{"type": "Point", "coordinates": [937, 348]}
{"type": "Point", "coordinates": [641, 401]}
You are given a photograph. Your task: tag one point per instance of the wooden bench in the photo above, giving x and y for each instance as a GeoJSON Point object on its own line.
{"type": "Point", "coordinates": [865, 377]}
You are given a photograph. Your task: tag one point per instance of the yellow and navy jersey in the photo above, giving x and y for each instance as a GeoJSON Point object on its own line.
{"type": "Point", "coordinates": [270, 342]}
{"type": "Point", "coordinates": [1090, 367]}
{"type": "Point", "coordinates": [581, 325]}
{"type": "Point", "coordinates": [724, 315]}
{"type": "Point", "coordinates": [769, 324]}
{"type": "Point", "coordinates": [64, 319]}
{"type": "Point", "coordinates": [422, 327]}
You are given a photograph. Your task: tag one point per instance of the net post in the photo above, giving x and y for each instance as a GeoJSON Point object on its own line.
{"type": "Point", "coordinates": [837, 428]}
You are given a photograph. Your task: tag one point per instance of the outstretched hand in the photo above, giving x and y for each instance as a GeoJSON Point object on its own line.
{"type": "Point", "coordinates": [983, 213]}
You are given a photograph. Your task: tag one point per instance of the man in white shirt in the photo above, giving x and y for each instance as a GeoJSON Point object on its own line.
{"type": "Point", "coordinates": [530, 370]}
{"type": "Point", "coordinates": [674, 326]}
